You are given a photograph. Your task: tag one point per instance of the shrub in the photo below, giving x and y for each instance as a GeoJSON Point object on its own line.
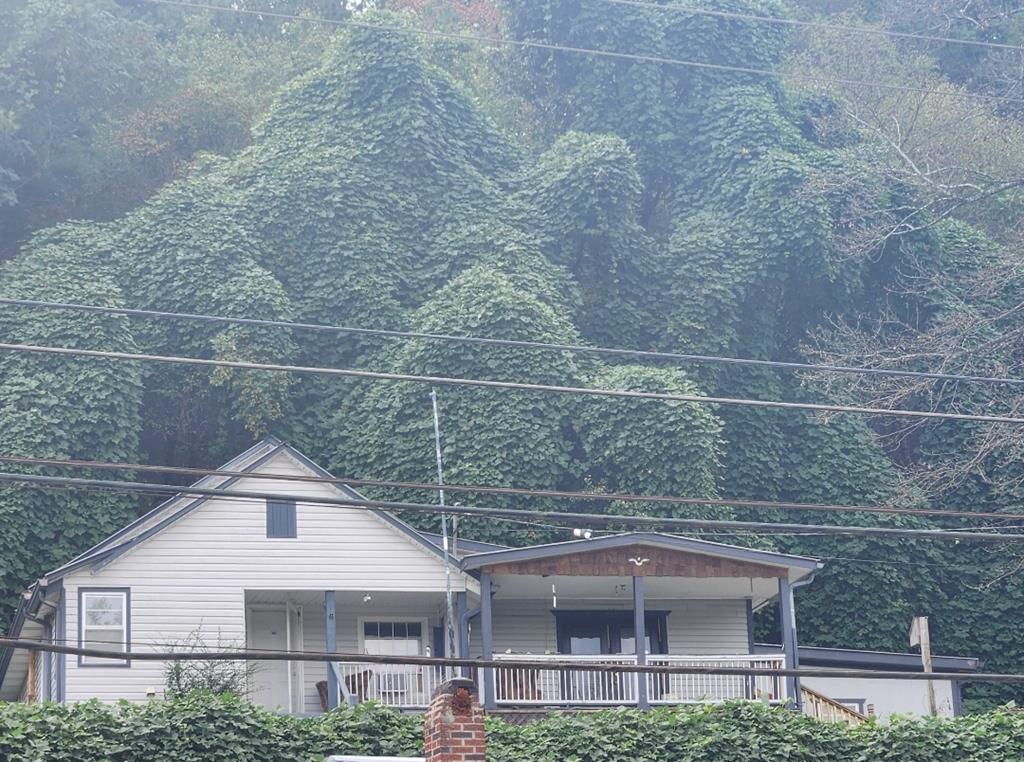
{"type": "Point", "coordinates": [201, 727]}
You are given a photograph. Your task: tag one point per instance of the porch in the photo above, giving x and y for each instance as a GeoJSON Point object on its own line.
{"type": "Point", "coordinates": [624, 600]}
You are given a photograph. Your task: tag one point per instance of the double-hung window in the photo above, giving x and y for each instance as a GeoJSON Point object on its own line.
{"type": "Point", "coordinates": [104, 624]}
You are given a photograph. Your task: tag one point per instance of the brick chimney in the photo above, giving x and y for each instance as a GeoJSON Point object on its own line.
{"type": "Point", "coordinates": [453, 728]}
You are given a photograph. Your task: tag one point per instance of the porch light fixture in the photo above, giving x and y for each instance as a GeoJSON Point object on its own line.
{"type": "Point", "coordinates": [367, 598]}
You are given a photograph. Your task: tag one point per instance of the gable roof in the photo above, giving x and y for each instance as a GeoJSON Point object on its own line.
{"type": "Point", "coordinates": [798, 566]}
{"type": "Point", "coordinates": [178, 507]}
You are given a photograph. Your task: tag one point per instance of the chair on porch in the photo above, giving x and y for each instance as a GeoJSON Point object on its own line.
{"type": "Point", "coordinates": [357, 685]}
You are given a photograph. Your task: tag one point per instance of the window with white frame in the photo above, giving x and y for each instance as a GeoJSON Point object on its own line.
{"type": "Point", "coordinates": [393, 638]}
{"type": "Point", "coordinates": [104, 624]}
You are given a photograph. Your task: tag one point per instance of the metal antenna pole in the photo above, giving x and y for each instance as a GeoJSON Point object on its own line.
{"type": "Point", "coordinates": [450, 617]}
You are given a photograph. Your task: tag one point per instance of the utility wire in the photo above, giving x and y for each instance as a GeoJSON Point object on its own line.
{"type": "Point", "coordinates": [483, 383]}
{"type": "Point", "coordinates": [527, 515]}
{"type": "Point", "coordinates": [560, 665]}
{"type": "Point", "coordinates": [521, 525]}
{"type": "Point", "coordinates": [690, 11]}
{"type": "Point", "coordinates": [491, 40]}
{"type": "Point", "coordinates": [605, 497]}
{"type": "Point", "coordinates": [516, 343]}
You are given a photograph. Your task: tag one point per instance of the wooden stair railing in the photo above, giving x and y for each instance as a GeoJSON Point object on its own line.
{"type": "Point", "coordinates": [821, 707]}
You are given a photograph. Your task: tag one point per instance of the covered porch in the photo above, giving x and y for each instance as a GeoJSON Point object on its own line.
{"type": "Point", "coordinates": [630, 599]}
{"type": "Point", "coordinates": [622, 600]}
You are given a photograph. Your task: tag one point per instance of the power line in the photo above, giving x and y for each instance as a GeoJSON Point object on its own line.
{"type": "Point", "coordinates": [516, 343]}
{"type": "Point", "coordinates": [483, 383]}
{"type": "Point", "coordinates": [491, 40]}
{"type": "Point", "coordinates": [687, 10]}
{"type": "Point", "coordinates": [606, 497]}
{"type": "Point", "coordinates": [518, 513]}
{"type": "Point", "coordinates": [561, 665]}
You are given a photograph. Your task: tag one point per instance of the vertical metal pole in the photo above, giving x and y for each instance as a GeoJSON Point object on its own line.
{"type": "Point", "coordinates": [449, 627]}
{"type": "Point", "coordinates": [640, 638]}
{"type": "Point", "coordinates": [288, 647]}
{"type": "Point", "coordinates": [751, 680]}
{"type": "Point", "coordinates": [787, 615]}
{"type": "Point", "coordinates": [461, 606]}
{"type": "Point", "coordinates": [333, 689]}
{"type": "Point", "coordinates": [486, 636]}
{"type": "Point", "coordinates": [925, 641]}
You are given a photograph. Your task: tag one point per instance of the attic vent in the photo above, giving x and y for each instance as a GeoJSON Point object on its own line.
{"type": "Point", "coordinates": [281, 518]}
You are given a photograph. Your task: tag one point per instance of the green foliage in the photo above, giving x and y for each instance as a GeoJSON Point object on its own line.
{"type": "Point", "coordinates": [201, 727]}
{"type": "Point", "coordinates": [619, 202]}
{"type": "Point", "coordinates": [83, 409]}
{"type": "Point", "coordinates": [624, 441]}
{"type": "Point", "coordinates": [198, 727]}
{"type": "Point", "coordinates": [746, 732]}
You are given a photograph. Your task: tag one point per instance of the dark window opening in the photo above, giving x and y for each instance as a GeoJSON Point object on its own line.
{"type": "Point", "coordinates": [281, 518]}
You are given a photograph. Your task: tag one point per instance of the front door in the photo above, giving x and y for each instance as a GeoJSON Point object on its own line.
{"type": "Point", "coordinates": [268, 630]}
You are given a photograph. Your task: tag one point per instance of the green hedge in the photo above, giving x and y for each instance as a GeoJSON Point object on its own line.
{"type": "Point", "coordinates": [203, 728]}
{"type": "Point", "coordinates": [197, 728]}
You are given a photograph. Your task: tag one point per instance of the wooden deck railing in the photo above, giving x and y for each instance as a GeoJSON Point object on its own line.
{"type": "Point", "coordinates": [823, 708]}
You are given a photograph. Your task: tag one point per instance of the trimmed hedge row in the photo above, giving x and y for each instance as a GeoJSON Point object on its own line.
{"type": "Point", "coordinates": [198, 728]}
{"type": "Point", "coordinates": [205, 728]}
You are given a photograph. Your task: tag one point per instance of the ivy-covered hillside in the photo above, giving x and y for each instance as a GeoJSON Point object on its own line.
{"type": "Point", "coordinates": [535, 194]}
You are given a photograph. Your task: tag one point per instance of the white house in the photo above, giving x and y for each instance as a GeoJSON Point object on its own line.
{"type": "Point", "coordinates": [296, 574]}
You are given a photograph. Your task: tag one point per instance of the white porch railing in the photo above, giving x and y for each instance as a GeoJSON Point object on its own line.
{"type": "Point", "coordinates": [405, 686]}
{"type": "Point", "coordinates": [681, 689]}
{"type": "Point", "coordinates": [521, 685]}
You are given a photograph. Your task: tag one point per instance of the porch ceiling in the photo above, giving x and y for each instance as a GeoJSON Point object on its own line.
{"type": "Point", "coordinates": [351, 600]}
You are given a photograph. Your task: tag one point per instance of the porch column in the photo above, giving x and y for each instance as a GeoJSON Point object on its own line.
{"type": "Point", "coordinates": [486, 636]}
{"type": "Point", "coordinates": [640, 637]}
{"type": "Point", "coordinates": [787, 616]}
{"type": "Point", "coordinates": [331, 645]}
{"type": "Point", "coordinates": [462, 629]}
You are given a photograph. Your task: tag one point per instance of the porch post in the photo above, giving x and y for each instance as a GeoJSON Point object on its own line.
{"type": "Point", "coordinates": [486, 637]}
{"type": "Point", "coordinates": [640, 638]}
{"type": "Point", "coordinates": [787, 615]}
{"type": "Point", "coordinates": [461, 623]}
{"type": "Point", "coordinates": [331, 644]}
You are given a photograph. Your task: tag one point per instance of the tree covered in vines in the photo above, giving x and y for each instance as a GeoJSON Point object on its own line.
{"type": "Point", "coordinates": [639, 204]}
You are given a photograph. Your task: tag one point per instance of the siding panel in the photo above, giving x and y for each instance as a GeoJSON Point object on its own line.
{"type": "Point", "coordinates": [695, 627]}
{"type": "Point", "coordinates": [193, 577]}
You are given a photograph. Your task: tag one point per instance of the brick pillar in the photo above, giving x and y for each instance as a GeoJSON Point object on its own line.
{"type": "Point", "coordinates": [453, 728]}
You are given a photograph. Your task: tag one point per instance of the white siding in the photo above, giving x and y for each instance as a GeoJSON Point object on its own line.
{"type": "Point", "coordinates": [193, 575]}
{"type": "Point", "coordinates": [709, 628]}
{"type": "Point", "coordinates": [888, 697]}
{"type": "Point", "coordinates": [695, 627]}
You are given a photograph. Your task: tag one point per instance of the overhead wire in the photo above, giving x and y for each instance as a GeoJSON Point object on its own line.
{"type": "Point", "coordinates": [559, 665]}
{"type": "Point", "coordinates": [975, 534]}
{"type": "Point", "coordinates": [528, 492]}
{"type": "Point", "coordinates": [512, 385]}
{"type": "Point", "coordinates": [644, 354]}
{"type": "Point", "coordinates": [491, 40]}
{"type": "Point", "coordinates": [830, 27]}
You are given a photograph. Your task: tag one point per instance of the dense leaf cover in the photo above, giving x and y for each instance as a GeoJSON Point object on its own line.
{"type": "Point", "coordinates": [202, 728]}
{"type": "Point", "coordinates": [643, 206]}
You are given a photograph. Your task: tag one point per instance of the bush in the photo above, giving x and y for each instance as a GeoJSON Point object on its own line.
{"type": "Point", "coordinates": [202, 727]}
{"type": "Point", "coordinates": [199, 727]}
{"type": "Point", "coordinates": [749, 732]}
